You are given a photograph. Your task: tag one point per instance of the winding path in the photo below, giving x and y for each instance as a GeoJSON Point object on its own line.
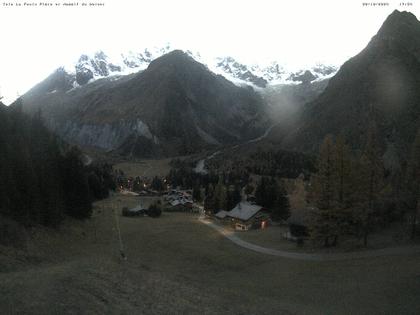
{"type": "Point", "coordinates": [403, 250]}
{"type": "Point", "coordinates": [201, 164]}
{"type": "Point", "coordinates": [266, 133]}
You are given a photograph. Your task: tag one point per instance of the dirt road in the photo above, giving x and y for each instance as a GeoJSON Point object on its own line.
{"type": "Point", "coordinates": [403, 250]}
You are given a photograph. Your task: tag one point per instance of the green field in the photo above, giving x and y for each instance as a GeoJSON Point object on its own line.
{"type": "Point", "coordinates": [147, 168]}
{"type": "Point", "coordinates": [176, 265]}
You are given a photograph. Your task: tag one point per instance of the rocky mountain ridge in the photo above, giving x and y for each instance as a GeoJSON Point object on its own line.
{"type": "Point", "coordinates": [99, 65]}
{"type": "Point", "coordinates": [175, 106]}
{"type": "Point", "coordinates": [377, 88]}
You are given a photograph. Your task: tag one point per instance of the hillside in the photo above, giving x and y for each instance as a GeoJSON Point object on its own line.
{"type": "Point", "coordinates": [176, 106]}
{"type": "Point", "coordinates": [378, 86]}
{"type": "Point", "coordinates": [41, 181]}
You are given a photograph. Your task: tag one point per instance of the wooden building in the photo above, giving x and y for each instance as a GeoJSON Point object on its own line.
{"type": "Point", "coordinates": [245, 216]}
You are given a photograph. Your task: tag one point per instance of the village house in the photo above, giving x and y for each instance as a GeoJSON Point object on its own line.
{"type": "Point", "coordinates": [179, 200]}
{"type": "Point", "coordinates": [245, 216]}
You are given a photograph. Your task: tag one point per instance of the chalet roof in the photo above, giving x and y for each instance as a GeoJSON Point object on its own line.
{"type": "Point", "coordinates": [221, 214]}
{"type": "Point", "coordinates": [244, 211]}
{"type": "Point", "coordinates": [137, 208]}
{"type": "Point", "coordinates": [175, 202]}
{"type": "Point", "coordinates": [180, 201]}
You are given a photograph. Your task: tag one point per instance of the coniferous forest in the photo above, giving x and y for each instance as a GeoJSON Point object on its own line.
{"type": "Point", "coordinates": [43, 179]}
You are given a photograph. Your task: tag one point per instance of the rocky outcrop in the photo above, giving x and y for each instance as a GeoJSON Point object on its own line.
{"type": "Point", "coordinates": [107, 136]}
{"type": "Point", "coordinates": [303, 77]}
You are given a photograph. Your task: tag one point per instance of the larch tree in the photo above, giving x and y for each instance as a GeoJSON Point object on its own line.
{"type": "Point", "coordinates": [370, 183]}
{"type": "Point", "coordinates": [413, 184]}
{"type": "Point", "coordinates": [345, 186]}
{"type": "Point", "coordinates": [324, 226]}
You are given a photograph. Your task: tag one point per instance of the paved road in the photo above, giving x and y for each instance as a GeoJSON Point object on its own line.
{"type": "Point", "coordinates": [403, 250]}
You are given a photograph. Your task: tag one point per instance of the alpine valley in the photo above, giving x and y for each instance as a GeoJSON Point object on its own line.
{"type": "Point", "coordinates": [164, 102]}
{"type": "Point", "coordinates": [160, 181]}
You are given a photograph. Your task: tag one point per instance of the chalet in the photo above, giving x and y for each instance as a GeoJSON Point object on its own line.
{"type": "Point", "coordinates": [179, 201]}
{"type": "Point", "coordinates": [246, 216]}
{"type": "Point", "coordinates": [181, 195]}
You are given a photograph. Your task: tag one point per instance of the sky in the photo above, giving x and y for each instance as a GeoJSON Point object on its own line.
{"type": "Point", "coordinates": [35, 40]}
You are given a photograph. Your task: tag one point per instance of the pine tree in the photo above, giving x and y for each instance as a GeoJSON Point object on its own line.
{"type": "Point", "coordinates": [260, 191]}
{"type": "Point", "coordinates": [249, 189]}
{"type": "Point", "coordinates": [233, 196]}
{"type": "Point", "coordinates": [223, 198]}
{"type": "Point", "coordinates": [266, 192]}
{"type": "Point", "coordinates": [220, 195]}
{"type": "Point", "coordinates": [281, 208]}
{"type": "Point", "coordinates": [209, 201]}
{"type": "Point", "coordinates": [196, 193]}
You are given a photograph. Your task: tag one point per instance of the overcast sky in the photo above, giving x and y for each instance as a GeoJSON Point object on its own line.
{"type": "Point", "coordinates": [296, 33]}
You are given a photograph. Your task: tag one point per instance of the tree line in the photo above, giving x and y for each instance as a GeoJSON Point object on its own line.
{"type": "Point", "coordinates": [41, 178]}
{"type": "Point", "coordinates": [354, 193]}
{"type": "Point", "coordinates": [265, 162]}
{"type": "Point", "coordinates": [222, 190]}
{"type": "Point", "coordinates": [272, 195]}
{"type": "Point", "coordinates": [268, 194]}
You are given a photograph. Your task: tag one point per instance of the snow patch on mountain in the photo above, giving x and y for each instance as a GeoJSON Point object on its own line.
{"type": "Point", "coordinates": [91, 67]}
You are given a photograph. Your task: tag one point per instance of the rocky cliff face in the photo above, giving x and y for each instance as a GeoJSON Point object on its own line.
{"type": "Point", "coordinates": [105, 136]}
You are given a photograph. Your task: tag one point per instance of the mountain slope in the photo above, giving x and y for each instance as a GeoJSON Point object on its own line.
{"type": "Point", "coordinates": [91, 67]}
{"type": "Point", "coordinates": [175, 106]}
{"type": "Point", "coordinates": [380, 85]}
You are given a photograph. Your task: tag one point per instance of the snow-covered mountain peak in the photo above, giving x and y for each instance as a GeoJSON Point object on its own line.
{"type": "Point", "coordinates": [93, 66]}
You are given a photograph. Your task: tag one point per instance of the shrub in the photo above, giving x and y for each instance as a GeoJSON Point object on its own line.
{"type": "Point", "coordinates": [154, 211]}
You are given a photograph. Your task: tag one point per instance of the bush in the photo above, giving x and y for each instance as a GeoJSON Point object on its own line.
{"type": "Point", "coordinates": [154, 211]}
{"type": "Point", "coordinates": [126, 212]}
